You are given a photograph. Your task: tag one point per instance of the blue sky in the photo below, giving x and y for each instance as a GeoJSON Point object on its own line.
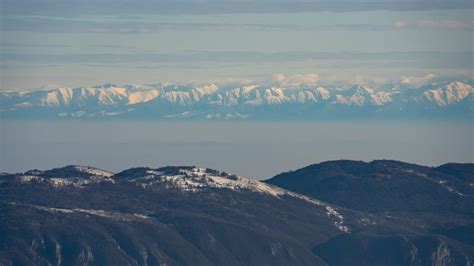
{"type": "Point", "coordinates": [66, 43]}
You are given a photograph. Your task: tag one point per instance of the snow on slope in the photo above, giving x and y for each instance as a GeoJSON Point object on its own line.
{"type": "Point", "coordinates": [448, 94]}
{"type": "Point", "coordinates": [197, 179]}
{"type": "Point", "coordinates": [94, 171]}
{"type": "Point", "coordinates": [101, 213]}
{"type": "Point", "coordinates": [73, 175]}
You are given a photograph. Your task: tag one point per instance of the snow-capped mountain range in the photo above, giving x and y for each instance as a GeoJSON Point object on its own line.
{"type": "Point", "coordinates": [256, 101]}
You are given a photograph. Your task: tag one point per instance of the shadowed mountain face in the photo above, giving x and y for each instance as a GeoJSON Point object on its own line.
{"type": "Point", "coordinates": [438, 200]}
{"type": "Point", "coordinates": [196, 216]}
{"type": "Point", "coordinates": [381, 186]}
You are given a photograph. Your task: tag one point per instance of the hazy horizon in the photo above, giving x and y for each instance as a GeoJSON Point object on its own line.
{"type": "Point", "coordinates": [255, 150]}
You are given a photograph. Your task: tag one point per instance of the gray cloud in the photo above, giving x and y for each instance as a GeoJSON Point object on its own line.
{"type": "Point", "coordinates": [32, 24]}
{"type": "Point", "coordinates": [64, 8]}
{"type": "Point", "coordinates": [8, 44]}
{"type": "Point", "coordinates": [436, 24]}
{"type": "Point", "coordinates": [134, 27]}
{"type": "Point", "coordinates": [384, 59]}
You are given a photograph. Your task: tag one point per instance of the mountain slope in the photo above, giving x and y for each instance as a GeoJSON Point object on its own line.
{"type": "Point", "coordinates": [439, 200]}
{"type": "Point", "coordinates": [383, 186]}
{"type": "Point", "coordinates": [198, 216]}
{"type": "Point", "coordinates": [172, 215]}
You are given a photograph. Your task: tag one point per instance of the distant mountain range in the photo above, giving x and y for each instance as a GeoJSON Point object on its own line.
{"type": "Point", "coordinates": [253, 102]}
{"type": "Point", "coordinates": [333, 213]}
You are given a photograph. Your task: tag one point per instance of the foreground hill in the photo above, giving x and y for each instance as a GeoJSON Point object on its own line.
{"type": "Point", "coordinates": [437, 199]}
{"type": "Point", "coordinates": [256, 101]}
{"type": "Point", "coordinates": [79, 215]}
{"type": "Point", "coordinates": [384, 185]}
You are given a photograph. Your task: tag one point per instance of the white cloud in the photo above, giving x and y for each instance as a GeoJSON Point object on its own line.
{"type": "Point", "coordinates": [231, 81]}
{"type": "Point", "coordinates": [280, 78]}
{"type": "Point", "coordinates": [417, 81]}
{"type": "Point", "coordinates": [371, 81]}
{"type": "Point", "coordinates": [436, 24]}
{"type": "Point", "coordinates": [445, 24]}
{"type": "Point", "coordinates": [400, 24]}
{"type": "Point", "coordinates": [310, 78]}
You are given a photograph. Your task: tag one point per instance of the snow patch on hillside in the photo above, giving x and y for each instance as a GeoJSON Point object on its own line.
{"type": "Point", "coordinates": [94, 171]}
{"type": "Point", "coordinates": [442, 183]}
{"type": "Point", "coordinates": [94, 212]}
{"type": "Point", "coordinates": [95, 175]}
{"type": "Point", "coordinates": [197, 179]}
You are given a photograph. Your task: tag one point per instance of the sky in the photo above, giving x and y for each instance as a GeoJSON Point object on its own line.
{"type": "Point", "coordinates": [50, 43]}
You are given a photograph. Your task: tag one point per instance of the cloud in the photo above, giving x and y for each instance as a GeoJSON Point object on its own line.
{"type": "Point", "coordinates": [400, 24]}
{"type": "Point", "coordinates": [296, 79]}
{"type": "Point", "coordinates": [343, 80]}
{"type": "Point", "coordinates": [379, 59]}
{"type": "Point", "coordinates": [278, 78]}
{"type": "Point", "coordinates": [417, 81]}
{"type": "Point", "coordinates": [233, 81]}
{"type": "Point", "coordinates": [436, 24]}
{"type": "Point", "coordinates": [65, 8]}
{"type": "Point", "coordinates": [445, 24]}
{"type": "Point", "coordinates": [348, 80]}
{"type": "Point", "coordinates": [114, 26]}
{"type": "Point", "coordinates": [371, 81]}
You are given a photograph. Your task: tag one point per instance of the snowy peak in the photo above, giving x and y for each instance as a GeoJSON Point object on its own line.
{"type": "Point", "coordinates": [71, 175]}
{"type": "Point", "coordinates": [447, 94]}
{"type": "Point", "coordinates": [194, 179]}
{"type": "Point", "coordinates": [359, 90]}
{"type": "Point", "coordinates": [76, 170]}
{"type": "Point", "coordinates": [92, 171]}
{"type": "Point", "coordinates": [363, 96]}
